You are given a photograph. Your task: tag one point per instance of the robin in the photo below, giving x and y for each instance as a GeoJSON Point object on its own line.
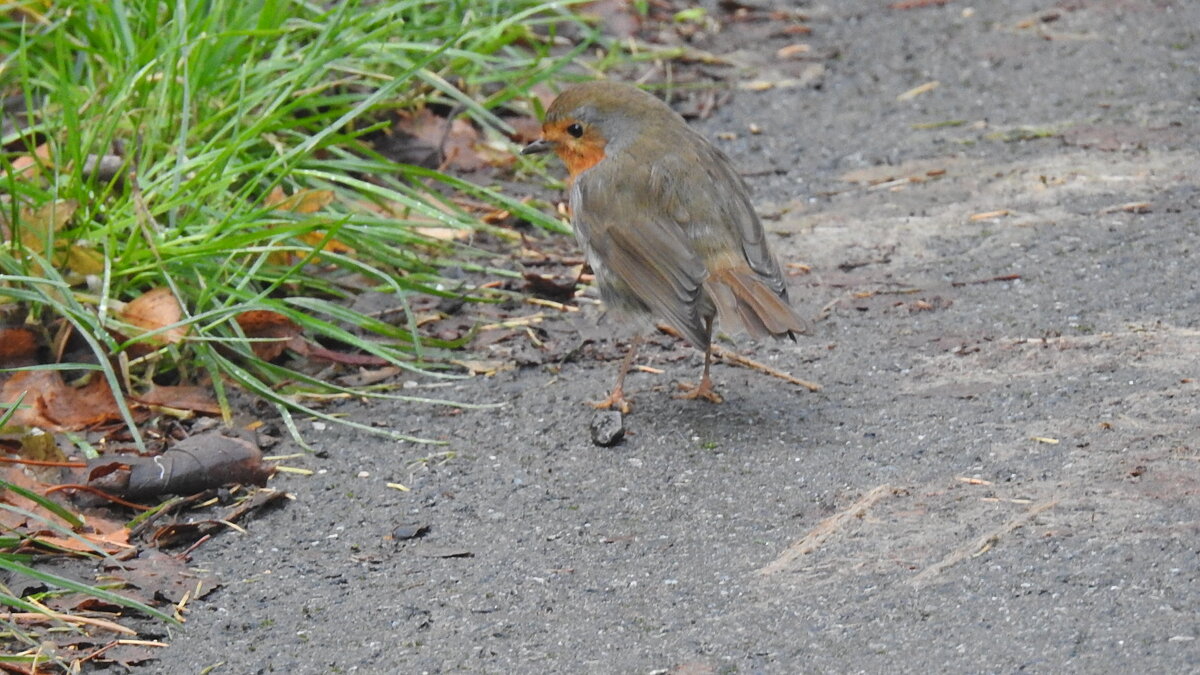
{"type": "Point", "coordinates": [665, 222]}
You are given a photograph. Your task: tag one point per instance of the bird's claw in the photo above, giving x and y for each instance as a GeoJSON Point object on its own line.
{"type": "Point", "coordinates": [615, 401]}
{"type": "Point", "coordinates": [704, 390]}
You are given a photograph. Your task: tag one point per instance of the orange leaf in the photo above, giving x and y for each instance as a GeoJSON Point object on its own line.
{"type": "Point", "coordinates": [265, 324]}
{"type": "Point", "coordinates": [25, 165]}
{"type": "Point", "coordinates": [308, 201]}
{"type": "Point", "coordinates": [304, 201]}
{"type": "Point", "coordinates": [54, 406]}
{"type": "Point", "coordinates": [333, 245]}
{"type": "Point", "coordinates": [18, 347]}
{"type": "Point", "coordinates": [110, 543]}
{"type": "Point", "coordinates": [153, 310]}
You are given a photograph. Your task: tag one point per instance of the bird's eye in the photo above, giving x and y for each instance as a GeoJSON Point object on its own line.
{"type": "Point", "coordinates": [575, 130]}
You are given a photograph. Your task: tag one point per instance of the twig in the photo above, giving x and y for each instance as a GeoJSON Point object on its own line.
{"type": "Point", "coordinates": [978, 546]}
{"type": "Point", "coordinates": [1006, 277]}
{"type": "Point", "coordinates": [750, 363]}
{"type": "Point", "coordinates": [824, 530]}
{"type": "Point", "coordinates": [542, 302]}
{"type": "Point", "coordinates": [98, 492]}
{"type": "Point", "coordinates": [42, 462]}
{"type": "Point", "coordinates": [38, 617]}
{"type": "Point", "coordinates": [747, 362]}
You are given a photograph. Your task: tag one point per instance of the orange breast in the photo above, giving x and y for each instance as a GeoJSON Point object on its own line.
{"type": "Point", "coordinates": [580, 157]}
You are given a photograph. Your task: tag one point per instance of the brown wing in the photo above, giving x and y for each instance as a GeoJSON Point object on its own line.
{"type": "Point", "coordinates": [722, 212]}
{"type": "Point", "coordinates": [641, 251]}
{"type": "Point", "coordinates": [744, 278]}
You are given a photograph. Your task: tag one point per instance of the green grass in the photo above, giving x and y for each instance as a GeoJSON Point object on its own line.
{"type": "Point", "coordinates": [204, 110]}
{"type": "Point", "coordinates": [208, 108]}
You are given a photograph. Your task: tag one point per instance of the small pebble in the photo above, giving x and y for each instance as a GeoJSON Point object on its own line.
{"type": "Point", "coordinates": [607, 427]}
{"type": "Point", "coordinates": [409, 531]}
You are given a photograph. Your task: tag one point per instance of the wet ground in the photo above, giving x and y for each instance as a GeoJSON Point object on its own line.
{"type": "Point", "coordinates": [1001, 473]}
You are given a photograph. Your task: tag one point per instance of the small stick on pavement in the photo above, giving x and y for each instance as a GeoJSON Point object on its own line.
{"type": "Point", "coordinates": [824, 530]}
{"type": "Point", "coordinates": [979, 545]}
{"type": "Point", "coordinates": [750, 363]}
{"type": "Point", "coordinates": [747, 362]}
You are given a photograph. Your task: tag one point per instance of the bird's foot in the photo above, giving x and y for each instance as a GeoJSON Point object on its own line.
{"type": "Point", "coordinates": [615, 401]}
{"type": "Point", "coordinates": [703, 390]}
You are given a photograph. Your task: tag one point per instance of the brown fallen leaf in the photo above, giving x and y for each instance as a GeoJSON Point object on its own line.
{"type": "Point", "coordinates": [154, 310]}
{"type": "Point", "coordinates": [18, 347]}
{"type": "Point", "coordinates": [162, 578]}
{"type": "Point", "coordinates": [19, 477]}
{"type": "Point", "coordinates": [553, 288]}
{"type": "Point", "coordinates": [429, 140]}
{"type": "Point", "coordinates": [306, 202]}
{"type": "Point", "coordinates": [208, 460]}
{"type": "Point", "coordinates": [177, 533]}
{"type": "Point", "coordinates": [111, 543]}
{"type": "Point", "coordinates": [24, 166]}
{"type": "Point", "coordinates": [272, 330]}
{"type": "Point", "coordinates": [53, 405]}
{"type": "Point", "coordinates": [39, 226]}
{"type": "Point", "coordinates": [197, 399]}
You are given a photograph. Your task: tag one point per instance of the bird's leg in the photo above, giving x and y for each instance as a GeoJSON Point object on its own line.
{"type": "Point", "coordinates": [616, 399]}
{"type": "Point", "coordinates": [705, 389]}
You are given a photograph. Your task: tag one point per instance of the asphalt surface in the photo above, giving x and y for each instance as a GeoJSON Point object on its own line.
{"type": "Point", "coordinates": [1001, 472]}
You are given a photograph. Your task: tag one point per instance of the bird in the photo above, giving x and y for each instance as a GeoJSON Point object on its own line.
{"type": "Point", "coordinates": [665, 222]}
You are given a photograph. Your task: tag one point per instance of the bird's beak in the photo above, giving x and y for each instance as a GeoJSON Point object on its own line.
{"type": "Point", "coordinates": [539, 146]}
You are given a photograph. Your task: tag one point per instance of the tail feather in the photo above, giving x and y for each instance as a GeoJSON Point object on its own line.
{"type": "Point", "coordinates": [743, 298]}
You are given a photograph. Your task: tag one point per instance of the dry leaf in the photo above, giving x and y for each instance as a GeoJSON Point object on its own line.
{"type": "Point", "coordinates": [304, 201]}
{"type": "Point", "coordinates": [427, 139]}
{"type": "Point", "coordinates": [39, 226]}
{"type": "Point", "coordinates": [198, 399]}
{"type": "Point", "coordinates": [84, 261]}
{"type": "Point", "coordinates": [53, 405]}
{"type": "Point", "coordinates": [195, 464]}
{"type": "Point", "coordinates": [161, 577]}
{"type": "Point", "coordinates": [25, 165]}
{"type": "Point", "coordinates": [18, 347]}
{"type": "Point", "coordinates": [153, 310]}
{"type": "Point", "coordinates": [265, 324]}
